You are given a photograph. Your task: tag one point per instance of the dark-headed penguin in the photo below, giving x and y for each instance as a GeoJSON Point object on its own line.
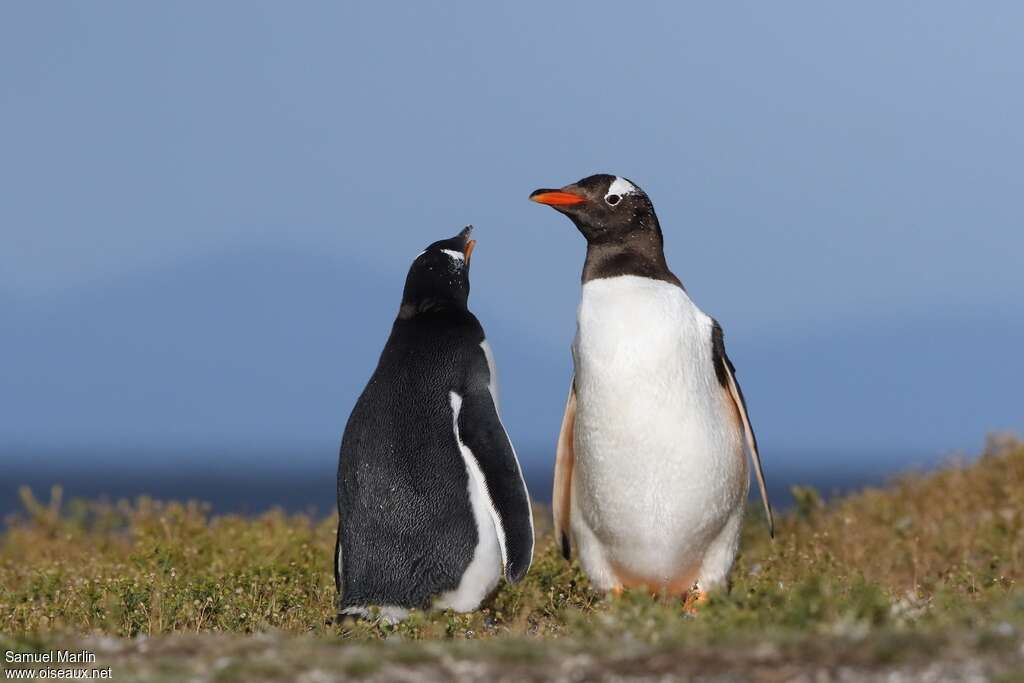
{"type": "Point", "coordinates": [432, 503]}
{"type": "Point", "coordinates": [651, 477]}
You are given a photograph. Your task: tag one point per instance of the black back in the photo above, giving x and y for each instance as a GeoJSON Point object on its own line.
{"type": "Point", "coordinates": [407, 530]}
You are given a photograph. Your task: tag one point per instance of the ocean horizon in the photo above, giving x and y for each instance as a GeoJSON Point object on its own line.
{"type": "Point", "coordinates": [249, 482]}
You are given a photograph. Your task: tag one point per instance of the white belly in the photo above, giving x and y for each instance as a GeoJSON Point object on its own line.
{"type": "Point", "coordinates": [659, 465]}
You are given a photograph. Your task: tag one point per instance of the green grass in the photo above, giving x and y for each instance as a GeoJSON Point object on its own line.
{"type": "Point", "coordinates": [897, 570]}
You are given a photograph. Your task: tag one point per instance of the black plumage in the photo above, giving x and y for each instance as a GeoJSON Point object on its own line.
{"type": "Point", "coordinates": [407, 530]}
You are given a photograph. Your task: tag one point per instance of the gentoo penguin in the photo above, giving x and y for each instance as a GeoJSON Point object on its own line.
{"type": "Point", "coordinates": [432, 505]}
{"type": "Point", "coordinates": [651, 478]}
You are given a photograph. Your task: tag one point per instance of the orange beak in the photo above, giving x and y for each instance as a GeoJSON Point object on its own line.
{"type": "Point", "coordinates": [556, 198]}
{"type": "Point", "coordinates": [468, 251]}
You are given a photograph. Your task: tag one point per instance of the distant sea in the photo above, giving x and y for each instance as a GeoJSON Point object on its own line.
{"type": "Point", "coordinates": [249, 483]}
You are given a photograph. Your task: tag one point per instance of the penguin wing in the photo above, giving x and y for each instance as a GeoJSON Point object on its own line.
{"type": "Point", "coordinates": [481, 430]}
{"type": "Point", "coordinates": [726, 374]}
{"type": "Point", "coordinates": [565, 459]}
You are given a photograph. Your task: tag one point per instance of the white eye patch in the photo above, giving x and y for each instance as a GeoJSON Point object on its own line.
{"type": "Point", "coordinates": [454, 255]}
{"type": "Point", "coordinates": [621, 187]}
{"type": "Point", "coordinates": [451, 253]}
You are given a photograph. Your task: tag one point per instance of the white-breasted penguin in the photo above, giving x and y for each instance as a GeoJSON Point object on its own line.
{"type": "Point", "coordinates": [432, 504]}
{"type": "Point", "coordinates": [651, 478]}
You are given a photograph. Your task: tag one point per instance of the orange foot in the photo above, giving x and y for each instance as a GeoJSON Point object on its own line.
{"type": "Point", "coordinates": [693, 600]}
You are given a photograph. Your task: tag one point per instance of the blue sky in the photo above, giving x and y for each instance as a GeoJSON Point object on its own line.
{"type": "Point", "coordinates": [208, 209]}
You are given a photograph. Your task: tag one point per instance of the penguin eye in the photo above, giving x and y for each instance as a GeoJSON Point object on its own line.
{"type": "Point", "coordinates": [612, 199]}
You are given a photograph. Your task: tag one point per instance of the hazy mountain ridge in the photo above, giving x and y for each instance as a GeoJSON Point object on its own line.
{"type": "Point", "coordinates": [273, 345]}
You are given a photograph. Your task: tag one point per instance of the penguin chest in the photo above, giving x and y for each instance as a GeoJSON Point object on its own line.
{"type": "Point", "coordinates": [659, 457]}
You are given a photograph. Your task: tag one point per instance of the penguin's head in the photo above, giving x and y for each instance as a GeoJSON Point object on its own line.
{"type": "Point", "coordinates": [439, 276]}
{"type": "Point", "coordinates": [605, 208]}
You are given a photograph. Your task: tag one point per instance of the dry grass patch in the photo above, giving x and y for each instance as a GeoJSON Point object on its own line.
{"type": "Point", "coordinates": [925, 556]}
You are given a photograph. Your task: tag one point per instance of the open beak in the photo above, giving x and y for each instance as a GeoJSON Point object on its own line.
{"type": "Point", "coordinates": [556, 197]}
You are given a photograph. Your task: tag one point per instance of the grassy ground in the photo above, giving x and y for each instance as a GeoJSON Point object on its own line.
{"type": "Point", "coordinates": [921, 574]}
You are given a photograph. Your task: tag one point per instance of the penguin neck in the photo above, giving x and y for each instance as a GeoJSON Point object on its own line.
{"type": "Point", "coordinates": [640, 254]}
{"type": "Point", "coordinates": [430, 305]}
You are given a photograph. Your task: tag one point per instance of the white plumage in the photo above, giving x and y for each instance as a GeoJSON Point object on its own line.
{"type": "Point", "coordinates": [621, 187]}
{"type": "Point", "coordinates": [660, 479]}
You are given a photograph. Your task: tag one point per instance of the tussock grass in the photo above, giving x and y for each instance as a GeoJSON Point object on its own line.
{"type": "Point", "coordinates": [926, 555]}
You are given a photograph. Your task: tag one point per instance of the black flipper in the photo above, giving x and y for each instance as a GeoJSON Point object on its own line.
{"type": "Point", "coordinates": [481, 431]}
{"type": "Point", "coordinates": [726, 373]}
